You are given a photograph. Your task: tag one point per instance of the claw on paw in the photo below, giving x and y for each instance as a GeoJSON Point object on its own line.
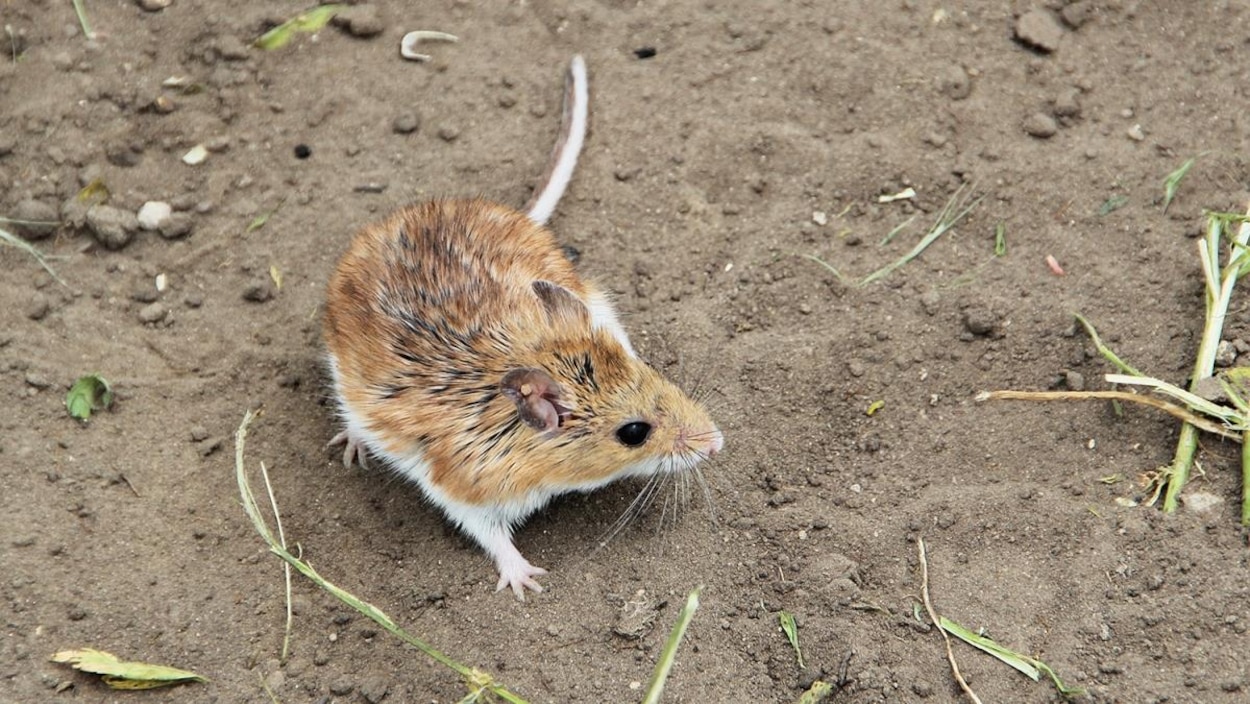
{"type": "Point", "coordinates": [520, 577]}
{"type": "Point", "coordinates": [353, 450]}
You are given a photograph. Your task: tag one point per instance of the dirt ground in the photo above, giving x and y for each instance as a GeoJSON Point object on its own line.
{"type": "Point", "coordinates": [752, 136]}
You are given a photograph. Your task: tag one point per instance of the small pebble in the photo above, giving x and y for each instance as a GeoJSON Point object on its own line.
{"type": "Point", "coordinates": [218, 144]}
{"type": "Point", "coordinates": [231, 48]}
{"type": "Point", "coordinates": [1040, 125]}
{"type": "Point", "coordinates": [1067, 103]}
{"type": "Point", "coordinates": [178, 225]}
{"type": "Point", "coordinates": [154, 214]}
{"type": "Point", "coordinates": [953, 82]}
{"type": "Point", "coordinates": [360, 21]}
{"type": "Point", "coordinates": [406, 123]}
{"type": "Point", "coordinates": [37, 307]}
{"type": "Point", "coordinates": [153, 313]}
{"type": "Point", "coordinates": [198, 433]}
{"type": "Point", "coordinates": [258, 291]}
{"type": "Point", "coordinates": [1077, 14]}
{"type": "Point", "coordinates": [1039, 29]}
{"type": "Point", "coordinates": [980, 321]}
{"type": "Point", "coordinates": [929, 301]}
{"type": "Point", "coordinates": [1225, 354]}
{"type": "Point", "coordinates": [1201, 501]}
{"type": "Point", "coordinates": [40, 219]}
{"type": "Point", "coordinates": [374, 689]}
{"type": "Point", "coordinates": [112, 227]}
{"type": "Point", "coordinates": [153, 5]}
{"type": "Point", "coordinates": [37, 380]}
{"type": "Point", "coordinates": [1136, 133]}
{"type": "Point", "coordinates": [447, 133]}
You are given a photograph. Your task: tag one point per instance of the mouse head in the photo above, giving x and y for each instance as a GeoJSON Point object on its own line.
{"type": "Point", "coordinates": [594, 412]}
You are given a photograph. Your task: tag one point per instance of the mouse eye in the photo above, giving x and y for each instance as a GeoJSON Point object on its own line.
{"type": "Point", "coordinates": [633, 434]}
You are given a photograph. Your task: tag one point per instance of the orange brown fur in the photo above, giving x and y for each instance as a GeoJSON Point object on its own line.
{"type": "Point", "coordinates": [431, 308]}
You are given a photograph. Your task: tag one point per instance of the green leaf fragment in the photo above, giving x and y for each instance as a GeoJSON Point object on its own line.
{"type": "Point", "coordinates": [791, 628]}
{"type": "Point", "coordinates": [1000, 239]}
{"type": "Point", "coordinates": [311, 21]}
{"type": "Point", "coordinates": [89, 393]}
{"type": "Point", "coordinates": [1112, 204]}
{"type": "Point", "coordinates": [1030, 667]}
{"type": "Point", "coordinates": [818, 692]}
{"type": "Point", "coordinates": [120, 674]}
{"type": "Point", "coordinates": [1173, 182]}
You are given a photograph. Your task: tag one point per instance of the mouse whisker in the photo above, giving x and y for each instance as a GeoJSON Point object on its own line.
{"type": "Point", "coordinates": [706, 491]}
{"type": "Point", "coordinates": [635, 509]}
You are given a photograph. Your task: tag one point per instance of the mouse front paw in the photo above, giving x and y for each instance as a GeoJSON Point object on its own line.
{"type": "Point", "coordinates": [353, 450]}
{"type": "Point", "coordinates": [520, 576]}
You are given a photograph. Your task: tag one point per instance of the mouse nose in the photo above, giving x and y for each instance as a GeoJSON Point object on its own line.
{"type": "Point", "coordinates": [715, 443]}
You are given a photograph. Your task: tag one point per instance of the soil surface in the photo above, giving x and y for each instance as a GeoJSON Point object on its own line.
{"type": "Point", "coordinates": [729, 143]}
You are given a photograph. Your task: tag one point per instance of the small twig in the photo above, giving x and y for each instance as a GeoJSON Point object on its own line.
{"type": "Point", "coordinates": [1169, 408]}
{"type": "Point", "coordinates": [133, 490]}
{"type": "Point", "coordinates": [928, 606]}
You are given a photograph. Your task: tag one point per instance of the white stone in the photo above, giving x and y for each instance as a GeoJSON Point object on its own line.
{"type": "Point", "coordinates": [1202, 502]}
{"type": "Point", "coordinates": [154, 214]}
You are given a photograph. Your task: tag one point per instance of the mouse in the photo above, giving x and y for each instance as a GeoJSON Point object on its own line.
{"type": "Point", "coordinates": [468, 355]}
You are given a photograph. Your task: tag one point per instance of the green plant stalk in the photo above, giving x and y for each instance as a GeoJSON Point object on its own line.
{"type": "Point", "coordinates": [1245, 479]}
{"type": "Point", "coordinates": [1230, 417]}
{"type": "Point", "coordinates": [82, 19]}
{"type": "Point", "coordinates": [476, 679]}
{"type": "Point", "coordinates": [1105, 351]}
{"type": "Point", "coordinates": [656, 688]}
{"type": "Point", "coordinates": [1217, 299]}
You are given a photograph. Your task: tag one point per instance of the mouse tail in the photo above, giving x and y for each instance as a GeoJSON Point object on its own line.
{"type": "Point", "coordinates": [573, 126]}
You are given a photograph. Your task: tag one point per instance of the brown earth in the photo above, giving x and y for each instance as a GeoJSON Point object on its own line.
{"type": "Point", "coordinates": [705, 176]}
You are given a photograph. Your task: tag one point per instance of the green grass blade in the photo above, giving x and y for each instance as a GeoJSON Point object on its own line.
{"type": "Point", "coordinates": [897, 229]}
{"type": "Point", "coordinates": [1112, 204]}
{"type": "Point", "coordinates": [477, 680]}
{"type": "Point", "coordinates": [1000, 239]}
{"type": "Point", "coordinates": [1004, 654]}
{"type": "Point", "coordinates": [12, 240]}
{"type": "Point", "coordinates": [1173, 182]}
{"type": "Point", "coordinates": [82, 19]}
{"type": "Point", "coordinates": [656, 688]}
{"type": "Point", "coordinates": [956, 209]}
{"type": "Point", "coordinates": [837, 274]}
{"type": "Point", "coordinates": [1103, 349]}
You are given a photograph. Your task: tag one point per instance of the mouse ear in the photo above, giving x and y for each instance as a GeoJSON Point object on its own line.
{"type": "Point", "coordinates": [561, 304]}
{"type": "Point", "coordinates": [537, 397]}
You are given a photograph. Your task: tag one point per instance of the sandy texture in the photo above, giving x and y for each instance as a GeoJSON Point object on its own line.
{"type": "Point", "coordinates": [750, 137]}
